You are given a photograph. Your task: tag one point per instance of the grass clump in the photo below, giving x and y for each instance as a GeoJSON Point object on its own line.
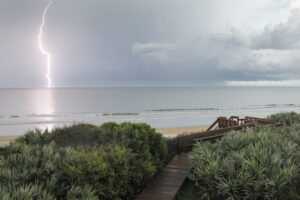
{"type": "Point", "coordinates": [260, 163]}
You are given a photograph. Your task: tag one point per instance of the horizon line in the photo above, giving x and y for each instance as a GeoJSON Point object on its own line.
{"type": "Point", "coordinates": [161, 86]}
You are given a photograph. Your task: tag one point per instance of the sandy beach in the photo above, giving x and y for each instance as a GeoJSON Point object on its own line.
{"type": "Point", "coordinates": [5, 140]}
{"type": "Point", "coordinates": [168, 132]}
{"type": "Point", "coordinates": [174, 131]}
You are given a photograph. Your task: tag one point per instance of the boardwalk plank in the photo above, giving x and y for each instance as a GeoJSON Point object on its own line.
{"type": "Point", "coordinates": [167, 184]}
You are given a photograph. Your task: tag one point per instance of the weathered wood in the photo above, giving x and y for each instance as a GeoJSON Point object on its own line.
{"type": "Point", "coordinates": [167, 184]}
{"type": "Point", "coordinates": [222, 122]}
{"type": "Point", "coordinates": [259, 120]}
{"type": "Point", "coordinates": [211, 126]}
{"type": "Point", "coordinates": [217, 131]}
{"type": "Point", "coordinates": [209, 138]}
{"type": "Point", "coordinates": [185, 142]}
{"type": "Point", "coordinates": [234, 123]}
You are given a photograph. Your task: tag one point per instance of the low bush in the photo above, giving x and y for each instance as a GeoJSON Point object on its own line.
{"type": "Point", "coordinates": [36, 137]}
{"type": "Point", "coordinates": [36, 172]}
{"type": "Point", "coordinates": [114, 172]}
{"type": "Point", "coordinates": [140, 138]}
{"type": "Point", "coordinates": [172, 146]}
{"type": "Point", "coordinates": [286, 118]}
{"type": "Point", "coordinates": [261, 163]}
{"type": "Point", "coordinates": [112, 161]}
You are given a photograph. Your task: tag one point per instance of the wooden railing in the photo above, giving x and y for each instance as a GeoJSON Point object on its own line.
{"type": "Point", "coordinates": [167, 184]}
{"type": "Point", "coordinates": [219, 128]}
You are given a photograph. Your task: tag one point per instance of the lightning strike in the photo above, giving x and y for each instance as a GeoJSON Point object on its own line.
{"type": "Point", "coordinates": [43, 50]}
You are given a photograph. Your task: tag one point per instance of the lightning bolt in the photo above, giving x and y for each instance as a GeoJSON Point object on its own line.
{"type": "Point", "coordinates": [43, 50]}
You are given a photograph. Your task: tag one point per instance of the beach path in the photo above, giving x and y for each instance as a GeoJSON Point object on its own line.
{"type": "Point", "coordinates": [167, 184]}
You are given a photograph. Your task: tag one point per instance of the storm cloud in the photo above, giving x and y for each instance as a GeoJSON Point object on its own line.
{"type": "Point", "coordinates": [151, 43]}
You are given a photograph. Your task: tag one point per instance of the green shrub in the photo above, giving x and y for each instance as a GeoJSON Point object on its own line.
{"type": "Point", "coordinates": [78, 134]}
{"type": "Point", "coordinates": [116, 161]}
{"type": "Point", "coordinates": [144, 141]}
{"type": "Point", "coordinates": [114, 172]}
{"type": "Point", "coordinates": [141, 138]}
{"type": "Point", "coordinates": [36, 138]}
{"type": "Point", "coordinates": [36, 172]}
{"type": "Point", "coordinates": [172, 147]}
{"type": "Point", "coordinates": [261, 163]}
{"type": "Point", "coordinates": [188, 191]}
{"type": "Point", "coordinates": [287, 118]}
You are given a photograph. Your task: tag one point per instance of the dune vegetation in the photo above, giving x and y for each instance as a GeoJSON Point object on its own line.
{"type": "Point", "coordinates": [112, 161]}
{"type": "Point", "coordinates": [117, 161]}
{"type": "Point", "coordinates": [259, 163]}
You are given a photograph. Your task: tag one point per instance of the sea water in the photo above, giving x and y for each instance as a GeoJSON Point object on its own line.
{"type": "Point", "coordinates": [26, 109]}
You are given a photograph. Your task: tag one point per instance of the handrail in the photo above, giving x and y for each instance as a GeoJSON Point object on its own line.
{"type": "Point", "coordinates": [224, 125]}
{"type": "Point", "coordinates": [211, 126]}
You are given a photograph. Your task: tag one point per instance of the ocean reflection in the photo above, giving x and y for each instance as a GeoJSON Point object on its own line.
{"type": "Point", "coordinates": [43, 108]}
{"type": "Point", "coordinates": [43, 102]}
{"type": "Point", "coordinates": [26, 109]}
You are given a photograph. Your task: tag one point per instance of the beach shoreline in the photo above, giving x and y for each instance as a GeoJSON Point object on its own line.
{"type": "Point", "coordinates": [174, 131]}
{"type": "Point", "coordinates": [5, 140]}
{"type": "Point", "coordinates": [167, 132]}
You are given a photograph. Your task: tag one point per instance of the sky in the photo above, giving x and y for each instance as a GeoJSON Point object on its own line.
{"type": "Point", "coordinates": [151, 43]}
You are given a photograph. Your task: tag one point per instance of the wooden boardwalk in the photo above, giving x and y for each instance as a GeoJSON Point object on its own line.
{"type": "Point", "coordinates": [167, 184]}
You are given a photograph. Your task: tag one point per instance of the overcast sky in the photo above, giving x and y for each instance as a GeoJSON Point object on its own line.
{"type": "Point", "coordinates": [151, 42]}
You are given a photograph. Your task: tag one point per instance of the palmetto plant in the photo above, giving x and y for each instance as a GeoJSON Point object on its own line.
{"type": "Point", "coordinates": [83, 161]}
{"type": "Point", "coordinates": [287, 118]}
{"type": "Point", "coordinates": [261, 163]}
{"type": "Point", "coordinates": [35, 172]}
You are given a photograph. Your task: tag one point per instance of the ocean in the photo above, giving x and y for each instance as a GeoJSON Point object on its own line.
{"type": "Point", "coordinates": [161, 107]}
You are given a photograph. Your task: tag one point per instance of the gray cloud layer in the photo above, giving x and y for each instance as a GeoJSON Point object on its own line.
{"type": "Point", "coordinates": [170, 42]}
{"type": "Point", "coordinates": [283, 36]}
